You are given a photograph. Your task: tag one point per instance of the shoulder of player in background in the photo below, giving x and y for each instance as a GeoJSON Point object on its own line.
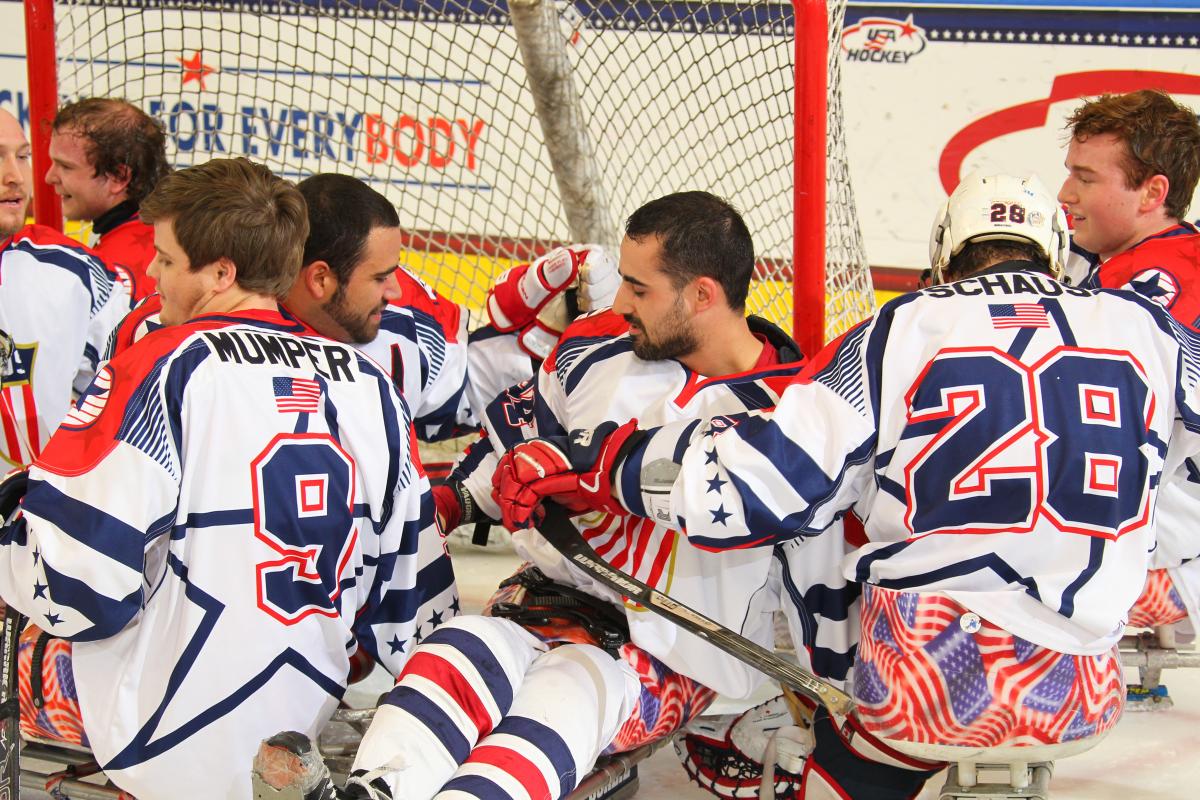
{"type": "Point", "coordinates": [584, 331]}
{"type": "Point", "coordinates": [416, 294]}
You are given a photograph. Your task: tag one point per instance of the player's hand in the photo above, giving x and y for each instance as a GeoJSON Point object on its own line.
{"type": "Point", "coordinates": [523, 291]}
{"type": "Point", "coordinates": [532, 299]}
{"type": "Point", "coordinates": [447, 507]}
{"type": "Point", "coordinates": [576, 472]}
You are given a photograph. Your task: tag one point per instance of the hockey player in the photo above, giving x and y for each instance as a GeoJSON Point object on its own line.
{"type": "Point", "coordinates": [58, 304]}
{"type": "Point", "coordinates": [233, 508]}
{"type": "Point", "coordinates": [496, 707]}
{"type": "Point", "coordinates": [351, 290]}
{"type": "Point", "coordinates": [1001, 434]}
{"type": "Point", "coordinates": [1133, 163]}
{"type": "Point", "coordinates": [106, 155]}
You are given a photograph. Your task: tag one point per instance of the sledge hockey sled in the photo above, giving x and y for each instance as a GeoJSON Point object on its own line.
{"type": "Point", "coordinates": [1151, 652]}
{"type": "Point", "coordinates": [1012, 773]}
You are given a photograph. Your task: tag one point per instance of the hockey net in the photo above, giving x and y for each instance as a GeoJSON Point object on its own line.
{"type": "Point", "coordinates": [448, 107]}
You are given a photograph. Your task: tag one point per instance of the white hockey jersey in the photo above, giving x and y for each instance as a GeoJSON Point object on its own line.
{"type": "Point", "coordinates": [58, 302]}
{"type": "Point", "coordinates": [595, 377]}
{"type": "Point", "coordinates": [1002, 437]}
{"type": "Point", "coordinates": [422, 343]}
{"type": "Point", "coordinates": [230, 508]}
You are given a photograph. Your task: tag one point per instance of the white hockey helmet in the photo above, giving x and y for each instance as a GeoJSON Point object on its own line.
{"type": "Point", "coordinates": [997, 207]}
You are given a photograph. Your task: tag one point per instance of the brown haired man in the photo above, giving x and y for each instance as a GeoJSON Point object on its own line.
{"type": "Point", "coordinates": [1134, 161]}
{"type": "Point", "coordinates": [230, 511]}
{"type": "Point", "coordinates": [106, 155]}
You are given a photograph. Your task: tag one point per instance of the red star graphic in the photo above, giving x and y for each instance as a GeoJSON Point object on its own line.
{"type": "Point", "coordinates": [908, 29]}
{"type": "Point", "coordinates": [194, 69]}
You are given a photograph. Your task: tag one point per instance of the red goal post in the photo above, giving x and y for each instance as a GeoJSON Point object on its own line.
{"type": "Point", "coordinates": [501, 128]}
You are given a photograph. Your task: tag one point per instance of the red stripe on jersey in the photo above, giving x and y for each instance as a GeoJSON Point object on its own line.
{"type": "Point", "coordinates": [438, 670]}
{"type": "Point", "coordinates": [512, 763]}
{"type": "Point", "coordinates": [665, 548]}
{"type": "Point", "coordinates": [12, 445]}
{"type": "Point", "coordinates": [31, 421]}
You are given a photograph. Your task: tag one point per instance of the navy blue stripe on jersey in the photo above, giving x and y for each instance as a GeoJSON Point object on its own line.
{"type": "Point", "coordinates": [106, 534]}
{"type": "Point", "coordinates": [754, 395]}
{"type": "Point", "coordinates": [109, 615]}
{"type": "Point", "coordinates": [148, 742]}
{"type": "Point", "coordinates": [1055, 311]}
{"type": "Point", "coordinates": [572, 362]}
{"type": "Point", "coordinates": [403, 604]}
{"type": "Point", "coordinates": [87, 268]}
{"type": "Point", "coordinates": [485, 332]}
{"type": "Point", "coordinates": [212, 519]}
{"type": "Point", "coordinates": [989, 561]}
{"type": "Point", "coordinates": [548, 742]}
{"type": "Point", "coordinates": [92, 355]}
{"type": "Point", "coordinates": [475, 453]}
{"type": "Point", "coordinates": [843, 375]}
{"type": "Point", "coordinates": [433, 343]}
{"type": "Point", "coordinates": [806, 477]}
{"type": "Point", "coordinates": [442, 422]}
{"type": "Point", "coordinates": [1095, 558]}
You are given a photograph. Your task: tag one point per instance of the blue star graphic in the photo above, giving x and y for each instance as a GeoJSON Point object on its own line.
{"type": "Point", "coordinates": [36, 556]}
{"type": "Point", "coordinates": [710, 457]}
{"type": "Point", "coordinates": [454, 606]}
{"type": "Point", "coordinates": [39, 590]}
{"type": "Point", "coordinates": [53, 619]}
{"type": "Point", "coordinates": [720, 515]}
{"type": "Point", "coordinates": [715, 484]}
{"type": "Point", "coordinates": [1150, 287]}
{"type": "Point", "coordinates": [417, 637]}
{"type": "Point", "coordinates": [397, 645]}
{"type": "Point", "coordinates": [436, 619]}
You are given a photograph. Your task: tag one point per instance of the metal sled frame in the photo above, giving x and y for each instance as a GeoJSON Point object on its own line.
{"type": "Point", "coordinates": [1151, 652]}
{"type": "Point", "coordinates": [1024, 771]}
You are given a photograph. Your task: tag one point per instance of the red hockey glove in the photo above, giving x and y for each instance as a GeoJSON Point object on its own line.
{"type": "Point", "coordinates": [455, 505]}
{"type": "Point", "coordinates": [524, 290]}
{"type": "Point", "coordinates": [576, 472]}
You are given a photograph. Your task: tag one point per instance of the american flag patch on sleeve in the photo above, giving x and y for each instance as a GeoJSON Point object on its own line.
{"type": "Point", "coordinates": [296, 395]}
{"type": "Point", "coordinates": [1018, 315]}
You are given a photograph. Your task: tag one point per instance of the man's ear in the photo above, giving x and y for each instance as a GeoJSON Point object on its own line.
{"type": "Point", "coordinates": [707, 293]}
{"type": "Point", "coordinates": [121, 178]}
{"type": "Point", "coordinates": [319, 279]}
{"type": "Point", "coordinates": [1154, 193]}
{"type": "Point", "coordinates": [224, 274]}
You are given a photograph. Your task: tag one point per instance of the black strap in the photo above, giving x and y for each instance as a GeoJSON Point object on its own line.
{"type": "Point", "coordinates": [545, 600]}
{"type": "Point", "coordinates": [36, 681]}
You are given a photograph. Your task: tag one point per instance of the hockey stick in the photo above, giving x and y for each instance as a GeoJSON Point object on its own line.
{"type": "Point", "coordinates": [10, 728]}
{"type": "Point", "coordinates": [556, 528]}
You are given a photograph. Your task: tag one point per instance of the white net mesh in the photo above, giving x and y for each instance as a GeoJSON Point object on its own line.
{"type": "Point", "coordinates": [430, 101]}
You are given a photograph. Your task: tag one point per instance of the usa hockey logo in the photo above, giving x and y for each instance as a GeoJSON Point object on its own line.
{"type": "Point", "coordinates": [883, 40]}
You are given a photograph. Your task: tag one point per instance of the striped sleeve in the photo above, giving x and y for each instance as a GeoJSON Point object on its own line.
{"type": "Point", "coordinates": [768, 476]}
